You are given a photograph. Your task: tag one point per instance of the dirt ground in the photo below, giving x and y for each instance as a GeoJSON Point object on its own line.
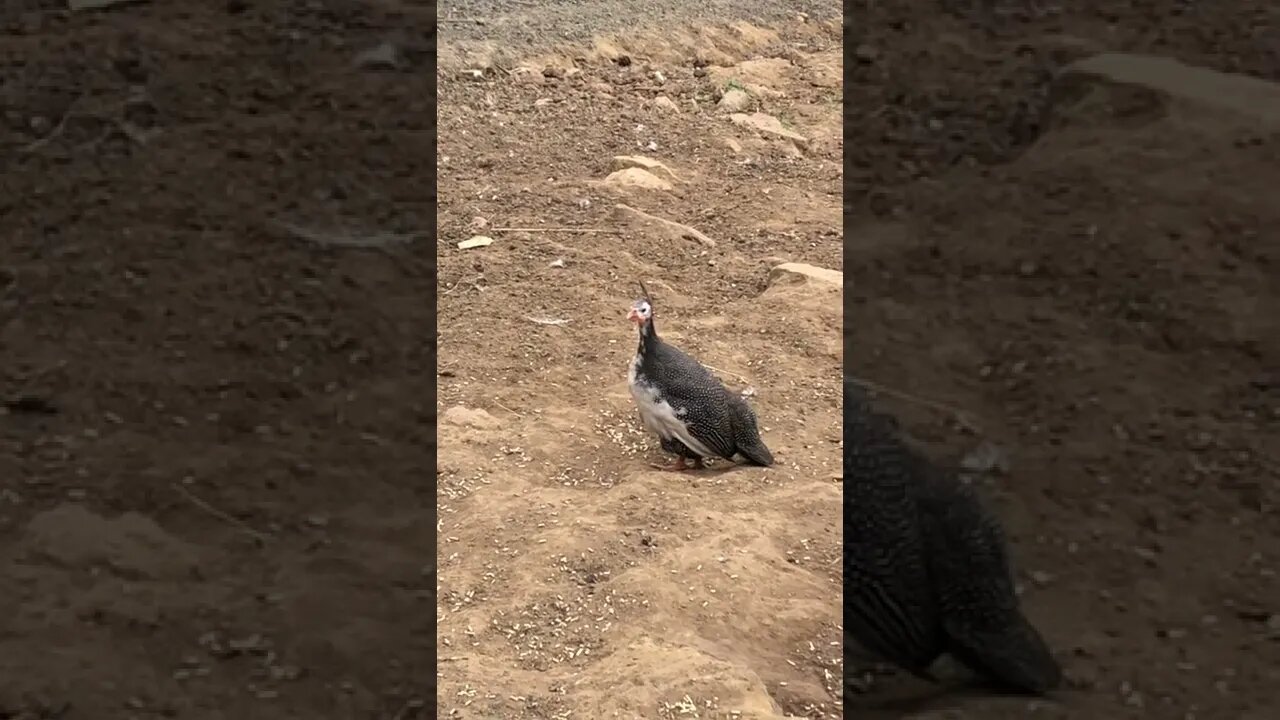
{"type": "Point", "coordinates": [1089, 273]}
{"type": "Point", "coordinates": [183, 375]}
{"type": "Point", "coordinates": [575, 580]}
{"type": "Point", "coordinates": [216, 422]}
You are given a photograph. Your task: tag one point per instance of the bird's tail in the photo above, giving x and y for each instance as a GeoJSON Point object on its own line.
{"type": "Point", "coordinates": [1014, 656]}
{"type": "Point", "coordinates": [746, 433]}
{"type": "Point", "coordinates": [756, 454]}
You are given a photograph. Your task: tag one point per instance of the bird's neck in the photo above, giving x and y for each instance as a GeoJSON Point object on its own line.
{"type": "Point", "coordinates": [648, 337]}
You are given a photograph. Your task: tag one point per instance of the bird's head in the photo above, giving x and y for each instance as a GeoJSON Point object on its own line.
{"type": "Point", "coordinates": [642, 310]}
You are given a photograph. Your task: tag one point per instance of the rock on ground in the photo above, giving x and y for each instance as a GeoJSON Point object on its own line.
{"type": "Point", "coordinates": [648, 164]}
{"type": "Point", "coordinates": [734, 100]}
{"type": "Point", "coordinates": [666, 227]}
{"type": "Point", "coordinates": [768, 125]}
{"type": "Point", "coordinates": [1247, 96]}
{"type": "Point", "coordinates": [803, 272]}
{"type": "Point", "coordinates": [634, 178]}
{"type": "Point", "coordinates": [473, 418]}
{"type": "Point", "coordinates": [131, 545]}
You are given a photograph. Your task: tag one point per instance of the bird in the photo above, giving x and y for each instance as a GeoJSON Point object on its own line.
{"type": "Point", "coordinates": [694, 415]}
{"type": "Point", "coordinates": [927, 569]}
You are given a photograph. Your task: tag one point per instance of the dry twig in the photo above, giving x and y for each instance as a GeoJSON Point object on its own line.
{"type": "Point", "coordinates": [504, 407]}
{"type": "Point", "coordinates": [375, 241]}
{"type": "Point", "coordinates": [554, 229]}
{"type": "Point", "coordinates": [966, 419]}
{"type": "Point", "coordinates": [743, 378]}
{"type": "Point", "coordinates": [548, 321]}
{"type": "Point", "coordinates": [221, 515]}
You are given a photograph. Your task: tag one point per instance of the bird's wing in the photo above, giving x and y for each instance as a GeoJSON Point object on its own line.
{"type": "Point", "coordinates": [701, 399]}
{"type": "Point", "coordinates": [969, 563]}
{"type": "Point", "coordinates": [889, 601]}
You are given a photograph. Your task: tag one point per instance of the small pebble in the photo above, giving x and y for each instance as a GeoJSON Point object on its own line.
{"type": "Point", "coordinates": [381, 56]}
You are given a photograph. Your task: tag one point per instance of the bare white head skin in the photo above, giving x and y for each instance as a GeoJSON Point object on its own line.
{"type": "Point", "coordinates": [641, 312]}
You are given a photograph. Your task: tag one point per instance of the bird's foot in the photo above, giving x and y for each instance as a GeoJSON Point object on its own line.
{"type": "Point", "coordinates": [680, 465]}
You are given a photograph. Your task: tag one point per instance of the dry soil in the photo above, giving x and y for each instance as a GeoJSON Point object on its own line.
{"type": "Point", "coordinates": [575, 580]}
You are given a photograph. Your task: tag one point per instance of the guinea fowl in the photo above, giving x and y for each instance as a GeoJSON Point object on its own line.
{"type": "Point", "coordinates": [693, 414]}
{"type": "Point", "coordinates": [926, 565]}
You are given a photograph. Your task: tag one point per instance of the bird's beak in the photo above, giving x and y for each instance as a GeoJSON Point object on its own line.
{"type": "Point", "coordinates": [633, 316]}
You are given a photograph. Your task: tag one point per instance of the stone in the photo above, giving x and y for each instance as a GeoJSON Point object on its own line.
{"type": "Point", "coordinates": [634, 177]}
{"type": "Point", "coordinates": [734, 100]}
{"type": "Point", "coordinates": [130, 545]}
{"type": "Point", "coordinates": [1240, 94]}
{"type": "Point", "coordinates": [655, 167]}
{"type": "Point", "coordinates": [528, 75]}
{"type": "Point", "coordinates": [470, 417]}
{"type": "Point", "coordinates": [763, 91]}
{"type": "Point", "coordinates": [662, 102]}
{"type": "Point", "coordinates": [383, 56]}
{"type": "Point", "coordinates": [769, 72]}
{"type": "Point", "coordinates": [768, 125]}
{"type": "Point", "coordinates": [663, 226]}
{"type": "Point", "coordinates": [794, 273]}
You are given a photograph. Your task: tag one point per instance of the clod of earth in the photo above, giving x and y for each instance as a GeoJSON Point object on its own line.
{"type": "Point", "coordinates": [768, 125]}
{"type": "Point", "coordinates": [803, 272]}
{"type": "Point", "coordinates": [529, 75]}
{"type": "Point", "coordinates": [655, 167]}
{"type": "Point", "coordinates": [668, 228]}
{"type": "Point", "coordinates": [662, 102]}
{"type": "Point", "coordinates": [762, 72]}
{"type": "Point", "coordinates": [381, 56]}
{"type": "Point", "coordinates": [734, 100]}
{"type": "Point", "coordinates": [1241, 94]}
{"type": "Point", "coordinates": [130, 545]}
{"type": "Point", "coordinates": [470, 417]}
{"type": "Point", "coordinates": [475, 241]}
{"type": "Point", "coordinates": [636, 178]}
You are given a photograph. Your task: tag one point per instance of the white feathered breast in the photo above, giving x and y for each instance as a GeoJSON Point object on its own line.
{"type": "Point", "coordinates": [658, 415]}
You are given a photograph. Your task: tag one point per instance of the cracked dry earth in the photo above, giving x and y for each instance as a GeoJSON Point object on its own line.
{"type": "Point", "coordinates": [576, 581]}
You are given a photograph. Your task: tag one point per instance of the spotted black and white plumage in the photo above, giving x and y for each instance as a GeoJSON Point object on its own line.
{"type": "Point", "coordinates": [926, 566]}
{"type": "Point", "coordinates": [693, 414]}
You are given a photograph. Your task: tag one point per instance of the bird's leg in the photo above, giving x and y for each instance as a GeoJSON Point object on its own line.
{"type": "Point", "coordinates": [679, 465]}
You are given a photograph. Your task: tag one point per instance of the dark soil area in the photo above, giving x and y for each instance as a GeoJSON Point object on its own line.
{"type": "Point", "coordinates": [214, 498]}
{"type": "Point", "coordinates": [1088, 273]}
